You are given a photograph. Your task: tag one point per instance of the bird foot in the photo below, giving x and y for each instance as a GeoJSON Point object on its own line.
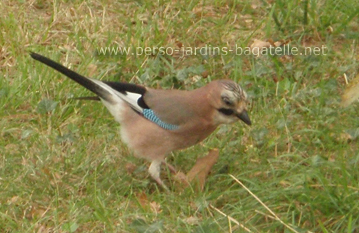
{"type": "Point", "coordinates": [170, 167]}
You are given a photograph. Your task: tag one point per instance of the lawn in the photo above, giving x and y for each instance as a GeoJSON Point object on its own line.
{"type": "Point", "coordinates": [63, 167]}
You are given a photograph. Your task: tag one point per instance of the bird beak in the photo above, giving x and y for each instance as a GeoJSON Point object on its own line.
{"type": "Point", "coordinates": [244, 117]}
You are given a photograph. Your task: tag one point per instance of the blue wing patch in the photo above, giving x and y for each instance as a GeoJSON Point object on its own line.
{"type": "Point", "coordinates": [150, 115]}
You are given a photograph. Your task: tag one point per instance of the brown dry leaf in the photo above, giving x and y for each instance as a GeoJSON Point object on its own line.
{"type": "Point", "coordinates": [254, 6]}
{"type": "Point", "coordinates": [201, 169]}
{"type": "Point", "coordinates": [142, 199]}
{"type": "Point", "coordinates": [192, 220]}
{"type": "Point", "coordinates": [13, 200]}
{"type": "Point", "coordinates": [271, 42]}
{"type": "Point", "coordinates": [155, 207]}
{"type": "Point", "coordinates": [146, 204]}
{"type": "Point", "coordinates": [36, 212]}
{"type": "Point", "coordinates": [258, 45]}
{"type": "Point", "coordinates": [278, 43]}
{"type": "Point", "coordinates": [285, 183]}
{"type": "Point", "coordinates": [179, 44]}
{"type": "Point", "coordinates": [344, 137]}
{"type": "Point", "coordinates": [351, 93]}
{"type": "Point", "coordinates": [205, 74]}
{"type": "Point", "coordinates": [130, 168]}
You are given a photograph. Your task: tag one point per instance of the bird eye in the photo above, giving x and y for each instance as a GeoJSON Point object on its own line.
{"type": "Point", "coordinates": [227, 101]}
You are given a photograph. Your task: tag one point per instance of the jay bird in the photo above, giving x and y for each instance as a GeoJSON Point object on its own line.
{"type": "Point", "coordinates": [156, 122]}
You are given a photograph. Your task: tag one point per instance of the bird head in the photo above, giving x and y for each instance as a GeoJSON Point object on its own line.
{"type": "Point", "coordinates": [230, 102]}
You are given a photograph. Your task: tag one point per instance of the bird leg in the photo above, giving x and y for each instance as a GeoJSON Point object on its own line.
{"type": "Point", "coordinates": [154, 171]}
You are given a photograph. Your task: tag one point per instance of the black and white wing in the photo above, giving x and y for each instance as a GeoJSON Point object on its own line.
{"type": "Point", "coordinates": [110, 92]}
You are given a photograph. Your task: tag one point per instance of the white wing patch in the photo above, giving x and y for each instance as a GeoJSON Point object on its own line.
{"type": "Point", "coordinates": [130, 98]}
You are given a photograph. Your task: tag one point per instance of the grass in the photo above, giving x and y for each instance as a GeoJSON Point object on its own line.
{"type": "Point", "coordinates": [63, 167]}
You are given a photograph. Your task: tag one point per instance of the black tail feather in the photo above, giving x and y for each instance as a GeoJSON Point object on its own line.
{"type": "Point", "coordinates": [86, 82]}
